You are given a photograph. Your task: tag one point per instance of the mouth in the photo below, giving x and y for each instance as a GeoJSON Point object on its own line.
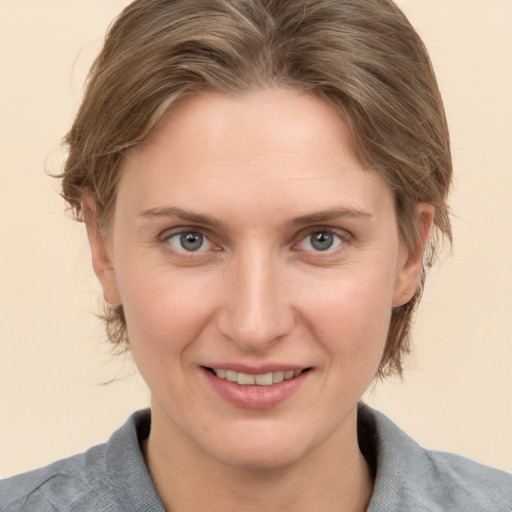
{"type": "Point", "coordinates": [252, 388]}
{"type": "Point", "coordinates": [262, 379]}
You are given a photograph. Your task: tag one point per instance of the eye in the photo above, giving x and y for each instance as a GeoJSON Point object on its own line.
{"type": "Point", "coordinates": [189, 241]}
{"type": "Point", "coordinates": [323, 241]}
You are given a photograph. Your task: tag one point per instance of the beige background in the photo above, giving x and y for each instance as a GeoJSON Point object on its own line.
{"type": "Point", "coordinates": [53, 362]}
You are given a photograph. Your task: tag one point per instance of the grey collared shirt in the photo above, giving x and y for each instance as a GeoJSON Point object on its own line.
{"type": "Point", "coordinates": [113, 477]}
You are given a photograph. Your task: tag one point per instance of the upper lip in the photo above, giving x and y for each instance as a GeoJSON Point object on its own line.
{"type": "Point", "coordinates": [255, 369]}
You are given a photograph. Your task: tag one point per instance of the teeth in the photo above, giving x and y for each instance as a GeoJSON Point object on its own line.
{"type": "Point", "coordinates": [246, 379]}
{"type": "Point", "coordinates": [231, 375]}
{"type": "Point", "coordinates": [278, 377]}
{"type": "Point", "coordinates": [264, 379]}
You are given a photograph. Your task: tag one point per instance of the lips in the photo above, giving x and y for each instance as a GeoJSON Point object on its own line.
{"type": "Point", "coordinates": [261, 379]}
{"type": "Point", "coordinates": [255, 389]}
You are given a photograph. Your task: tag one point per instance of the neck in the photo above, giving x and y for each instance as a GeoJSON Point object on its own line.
{"type": "Point", "coordinates": [335, 476]}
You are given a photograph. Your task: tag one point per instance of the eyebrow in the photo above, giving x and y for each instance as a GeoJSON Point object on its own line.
{"type": "Point", "coordinates": [208, 220]}
{"type": "Point", "coordinates": [173, 211]}
{"type": "Point", "coordinates": [327, 215]}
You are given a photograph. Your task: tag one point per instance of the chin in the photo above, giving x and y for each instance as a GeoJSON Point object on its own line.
{"type": "Point", "coordinates": [260, 449]}
{"type": "Point", "coordinates": [259, 459]}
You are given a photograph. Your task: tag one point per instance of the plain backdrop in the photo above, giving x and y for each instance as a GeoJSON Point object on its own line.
{"type": "Point", "coordinates": [62, 391]}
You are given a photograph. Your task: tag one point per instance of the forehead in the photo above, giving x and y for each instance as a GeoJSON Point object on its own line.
{"type": "Point", "coordinates": [267, 119]}
{"type": "Point", "coordinates": [220, 149]}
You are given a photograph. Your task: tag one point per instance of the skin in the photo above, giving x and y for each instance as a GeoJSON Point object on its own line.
{"type": "Point", "coordinates": [261, 166]}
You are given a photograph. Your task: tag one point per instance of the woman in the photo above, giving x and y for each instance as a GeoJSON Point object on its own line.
{"type": "Point", "coordinates": [263, 183]}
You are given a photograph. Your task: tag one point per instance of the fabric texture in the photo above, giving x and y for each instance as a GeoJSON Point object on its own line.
{"type": "Point", "coordinates": [113, 477]}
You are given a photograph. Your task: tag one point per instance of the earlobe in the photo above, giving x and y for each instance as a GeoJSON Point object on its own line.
{"type": "Point", "coordinates": [101, 258]}
{"type": "Point", "coordinates": [411, 261]}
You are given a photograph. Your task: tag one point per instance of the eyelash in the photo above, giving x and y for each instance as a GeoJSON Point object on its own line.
{"type": "Point", "coordinates": [342, 239]}
{"type": "Point", "coordinates": [342, 236]}
{"type": "Point", "coordinates": [184, 232]}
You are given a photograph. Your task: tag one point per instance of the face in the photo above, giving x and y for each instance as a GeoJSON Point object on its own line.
{"type": "Point", "coordinates": [257, 263]}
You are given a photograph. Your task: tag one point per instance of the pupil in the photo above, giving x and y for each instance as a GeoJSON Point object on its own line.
{"type": "Point", "coordinates": [191, 241]}
{"type": "Point", "coordinates": [322, 240]}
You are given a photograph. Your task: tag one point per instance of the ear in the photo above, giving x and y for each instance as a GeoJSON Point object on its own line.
{"type": "Point", "coordinates": [411, 259]}
{"type": "Point", "coordinates": [101, 259]}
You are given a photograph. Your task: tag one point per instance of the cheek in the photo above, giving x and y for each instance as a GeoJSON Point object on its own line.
{"type": "Point", "coordinates": [351, 316]}
{"type": "Point", "coordinates": [165, 312]}
{"type": "Point", "coordinates": [165, 315]}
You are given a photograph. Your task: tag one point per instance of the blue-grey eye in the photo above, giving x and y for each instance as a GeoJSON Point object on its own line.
{"type": "Point", "coordinates": [189, 241]}
{"type": "Point", "coordinates": [321, 241]}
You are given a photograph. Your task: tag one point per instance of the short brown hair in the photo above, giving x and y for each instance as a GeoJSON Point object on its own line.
{"type": "Point", "coordinates": [362, 56]}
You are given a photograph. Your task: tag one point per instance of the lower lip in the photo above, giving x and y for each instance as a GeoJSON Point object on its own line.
{"type": "Point", "coordinates": [255, 397]}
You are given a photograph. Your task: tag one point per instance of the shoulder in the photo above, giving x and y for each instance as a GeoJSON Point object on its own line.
{"type": "Point", "coordinates": [59, 486]}
{"type": "Point", "coordinates": [110, 476]}
{"type": "Point", "coordinates": [466, 483]}
{"type": "Point", "coordinates": [408, 477]}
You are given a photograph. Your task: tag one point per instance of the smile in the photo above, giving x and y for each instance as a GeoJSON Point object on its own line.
{"type": "Point", "coordinates": [252, 390]}
{"type": "Point", "coordinates": [264, 379]}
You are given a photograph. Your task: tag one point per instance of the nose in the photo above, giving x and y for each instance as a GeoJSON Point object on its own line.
{"type": "Point", "coordinates": [255, 313]}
